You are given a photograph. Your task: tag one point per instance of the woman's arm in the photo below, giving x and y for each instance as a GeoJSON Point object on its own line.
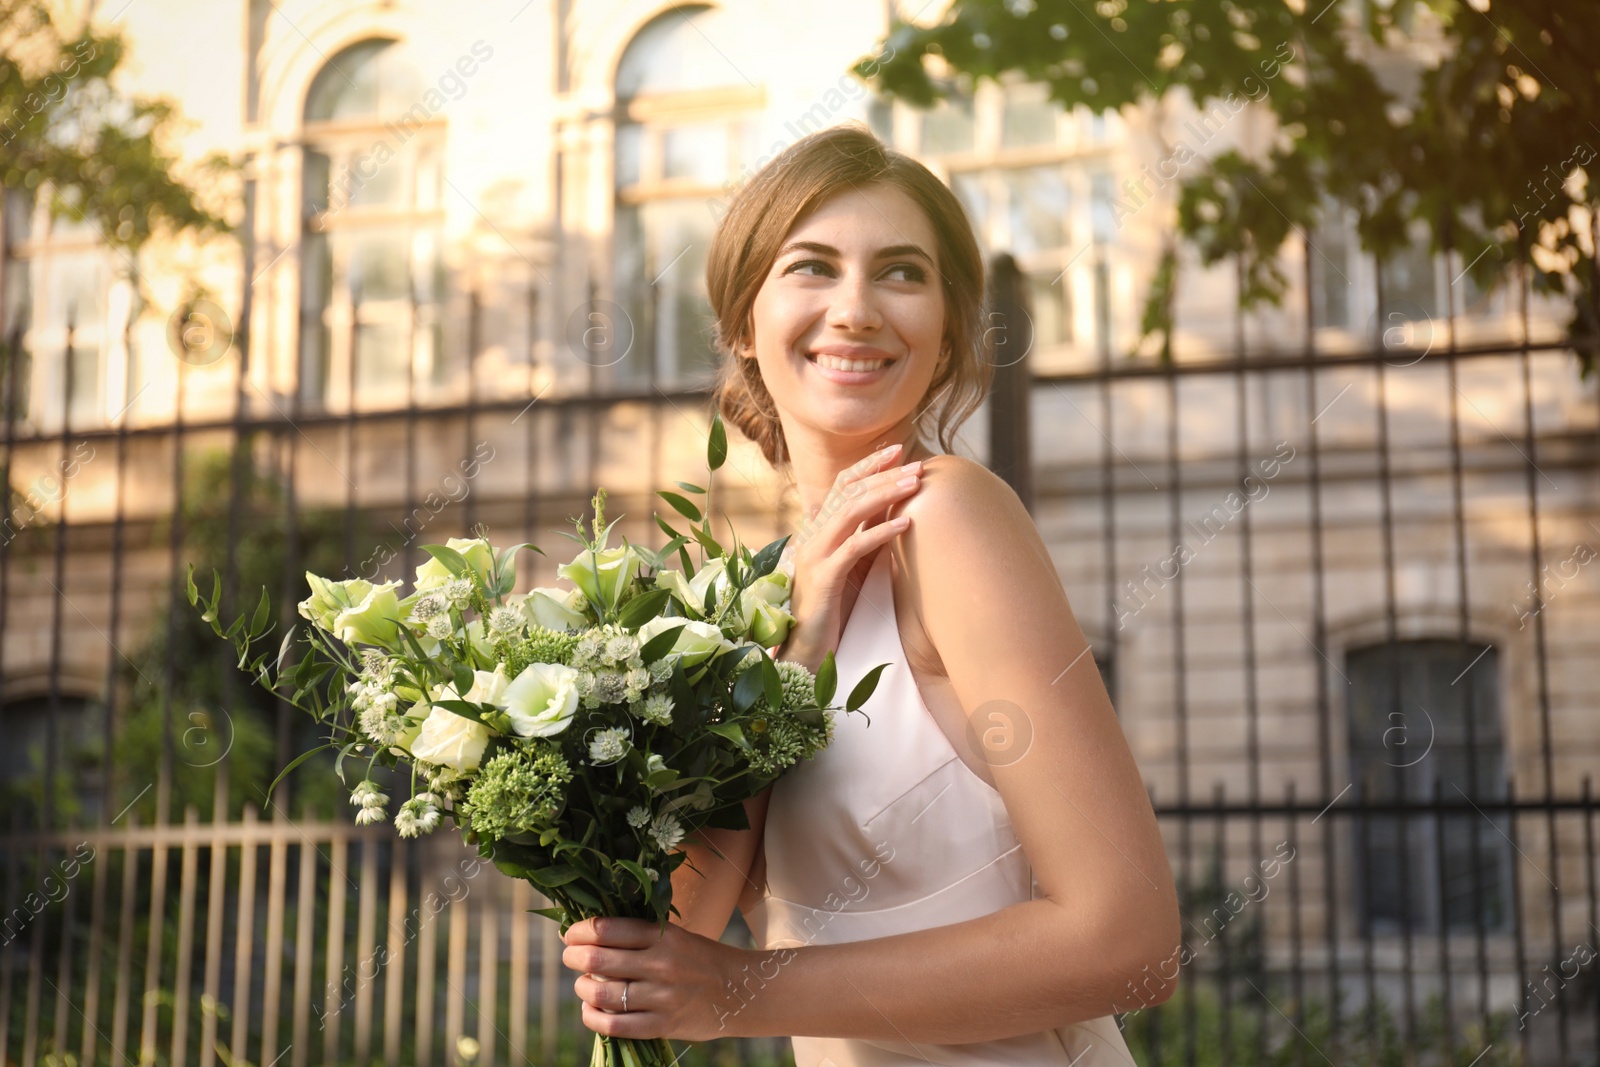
{"type": "Point", "coordinates": [706, 897]}
{"type": "Point", "coordinates": [1104, 934]}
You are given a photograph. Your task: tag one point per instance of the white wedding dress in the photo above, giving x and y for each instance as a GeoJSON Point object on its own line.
{"type": "Point", "coordinates": [887, 831]}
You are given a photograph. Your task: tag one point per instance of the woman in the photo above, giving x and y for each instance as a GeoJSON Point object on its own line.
{"type": "Point", "coordinates": [975, 876]}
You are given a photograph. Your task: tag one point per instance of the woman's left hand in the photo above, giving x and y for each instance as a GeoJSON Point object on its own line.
{"type": "Point", "coordinates": [676, 979]}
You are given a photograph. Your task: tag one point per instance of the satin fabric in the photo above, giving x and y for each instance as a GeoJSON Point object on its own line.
{"type": "Point", "coordinates": [887, 831]}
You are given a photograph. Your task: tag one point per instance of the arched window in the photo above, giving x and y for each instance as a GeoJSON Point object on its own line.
{"type": "Point", "coordinates": [685, 132]}
{"type": "Point", "coordinates": [1419, 711]}
{"type": "Point", "coordinates": [372, 274]}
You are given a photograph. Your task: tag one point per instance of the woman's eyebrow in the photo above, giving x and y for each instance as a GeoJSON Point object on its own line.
{"type": "Point", "coordinates": [829, 250]}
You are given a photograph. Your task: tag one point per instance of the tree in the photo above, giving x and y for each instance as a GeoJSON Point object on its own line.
{"type": "Point", "coordinates": [65, 128]}
{"type": "Point", "coordinates": [1488, 147]}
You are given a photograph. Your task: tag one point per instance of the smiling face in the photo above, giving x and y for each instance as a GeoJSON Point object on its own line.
{"type": "Point", "coordinates": [849, 324]}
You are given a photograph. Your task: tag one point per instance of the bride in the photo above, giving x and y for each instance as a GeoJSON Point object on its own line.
{"type": "Point", "coordinates": [974, 876]}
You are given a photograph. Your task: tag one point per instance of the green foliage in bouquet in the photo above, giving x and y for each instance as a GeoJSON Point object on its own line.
{"type": "Point", "coordinates": [577, 735]}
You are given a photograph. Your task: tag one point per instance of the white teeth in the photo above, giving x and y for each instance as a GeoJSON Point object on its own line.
{"type": "Point", "coordinates": [837, 363]}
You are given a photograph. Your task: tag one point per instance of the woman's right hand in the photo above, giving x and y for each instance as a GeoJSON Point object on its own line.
{"type": "Point", "coordinates": [836, 546]}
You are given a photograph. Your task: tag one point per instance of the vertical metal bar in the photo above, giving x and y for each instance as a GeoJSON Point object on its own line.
{"type": "Point", "coordinates": [394, 967]}
{"type": "Point", "coordinates": [1331, 896]}
{"type": "Point", "coordinates": [1540, 641]}
{"type": "Point", "coordinates": [180, 984]}
{"type": "Point", "coordinates": [58, 583]}
{"type": "Point", "coordinates": [366, 921]}
{"type": "Point", "coordinates": [119, 996]}
{"type": "Point", "coordinates": [175, 596]}
{"type": "Point", "coordinates": [1180, 696]}
{"type": "Point", "coordinates": [1517, 920]}
{"type": "Point", "coordinates": [1590, 876]}
{"type": "Point", "coordinates": [245, 927]}
{"type": "Point", "coordinates": [521, 901]}
{"type": "Point", "coordinates": [427, 942]}
{"type": "Point", "coordinates": [304, 950]}
{"type": "Point", "coordinates": [1252, 717]}
{"type": "Point", "coordinates": [1225, 981]}
{"type": "Point", "coordinates": [333, 982]}
{"type": "Point", "coordinates": [1296, 975]}
{"type": "Point", "coordinates": [1446, 993]}
{"type": "Point", "coordinates": [12, 884]}
{"type": "Point", "coordinates": [488, 975]}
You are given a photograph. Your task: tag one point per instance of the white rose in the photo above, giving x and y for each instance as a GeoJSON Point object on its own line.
{"type": "Point", "coordinates": [554, 609]}
{"type": "Point", "coordinates": [696, 642]}
{"type": "Point", "coordinates": [373, 620]}
{"type": "Point", "coordinates": [542, 700]}
{"type": "Point", "coordinates": [433, 574]}
{"type": "Point", "coordinates": [451, 740]}
{"type": "Point", "coordinates": [692, 591]}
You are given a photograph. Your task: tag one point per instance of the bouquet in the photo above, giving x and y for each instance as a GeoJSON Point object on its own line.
{"type": "Point", "coordinates": [577, 734]}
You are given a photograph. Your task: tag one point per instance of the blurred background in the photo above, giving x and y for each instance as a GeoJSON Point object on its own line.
{"type": "Point", "coordinates": [1293, 309]}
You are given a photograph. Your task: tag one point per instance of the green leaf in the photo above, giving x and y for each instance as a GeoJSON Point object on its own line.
{"type": "Point", "coordinates": [681, 505]}
{"type": "Point", "coordinates": [747, 689]}
{"type": "Point", "coordinates": [713, 549]}
{"type": "Point", "coordinates": [666, 527]}
{"type": "Point", "coordinates": [827, 679]}
{"type": "Point", "coordinates": [642, 608]}
{"type": "Point", "coordinates": [772, 680]}
{"type": "Point", "coordinates": [689, 487]}
{"type": "Point", "coordinates": [454, 561]}
{"type": "Point", "coordinates": [258, 625]}
{"type": "Point", "coordinates": [464, 708]}
{"type": "Point", "coordinates": [716, 442]}
{"type": "Point", "coordinates": [639, 875]}
{"type": "Point", "coordinates": [553, 877]}
{"type": "Point", "coordinates": [583, 896]}
{"type": "Point", "coordinates": [551, 913]}
{"type": "Point", "coordinates": [463, 677]}
{"type": "Point", "coordinates": [864, 688]}
{"type": "Point", "coordinates": [292, 765]}
{"type": "Point", "coordinates": [729, 730]}
{"type": "Point", "coordinates": [660, 644]}
{"type": "Point", "coordinates": [189, 587]}
{"type": "Point", "coordinates": [764, 561]}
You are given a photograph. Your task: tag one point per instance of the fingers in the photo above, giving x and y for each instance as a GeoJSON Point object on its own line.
{"type": "Point", "coordinates": [842, 513]}
{"type": "Point", "coordinates": [612, 932]}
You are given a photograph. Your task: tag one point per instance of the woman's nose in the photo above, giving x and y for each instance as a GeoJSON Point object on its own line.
{"type": "Point", "coordinates": [853, 306]}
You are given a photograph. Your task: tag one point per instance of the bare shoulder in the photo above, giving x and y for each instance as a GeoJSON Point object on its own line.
{"type": "Point", "coordinates": [960, 505]}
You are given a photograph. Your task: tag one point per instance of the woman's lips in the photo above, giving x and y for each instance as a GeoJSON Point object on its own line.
{"type": "Point", "coordinates": [833, 368]}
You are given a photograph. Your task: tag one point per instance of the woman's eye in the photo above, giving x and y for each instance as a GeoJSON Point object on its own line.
{"type": "Point", "coordinates": [913, 273]}
{"type": "Point", "coordinates": [794, 267]}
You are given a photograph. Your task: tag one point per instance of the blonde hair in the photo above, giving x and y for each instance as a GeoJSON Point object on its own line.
{"type": "Point", "coordinates": [760, 217]}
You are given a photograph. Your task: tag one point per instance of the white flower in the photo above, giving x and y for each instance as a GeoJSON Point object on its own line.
{"type": "Point", "coordinates": [638, 816]}
{"type": "Point", "coordinates": [428, 606]}
{"type": "Point", "coordinates": [542, 700]}
{"type": "Point", "coordinates": [653, 763]}
{"type": "Point", "coordinates": [608, 746]}
{"type": "Point", "coordinates": [619, 647]}
{"type": "Point", "coordinates": [505, 620]}
{"type": "Point", "coordinates": [367, 795]}
{"type": "Point", "coordinates": [475, 550]}
{"type": "Point", "coordinates": [657, 709]}
{"type": "Point", "coordinates": [691, 592]}
{"type": "Point", "coordinates": [458, 590]}
{"type": "Point", "coordinates": [372, 620]}
{"type": "Point", "coordinates": [554, 609]}
{"type": "Point", "coordinates": [451, 740]}
{"type": "Point", "coordinates": [666, 830]}
{"type": "Point", "coordinates": [488, 687]}
{"type": "Point", "coordinates": [370, 815]}
{"type": "Point", "coordinates": [697, 641]}
{"type": "Point", "coordinates": [440, 627]}
{"type": "Point", "coordinates": [416, 816]}
{"type": "Point", "coordinates": [602, 576]}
